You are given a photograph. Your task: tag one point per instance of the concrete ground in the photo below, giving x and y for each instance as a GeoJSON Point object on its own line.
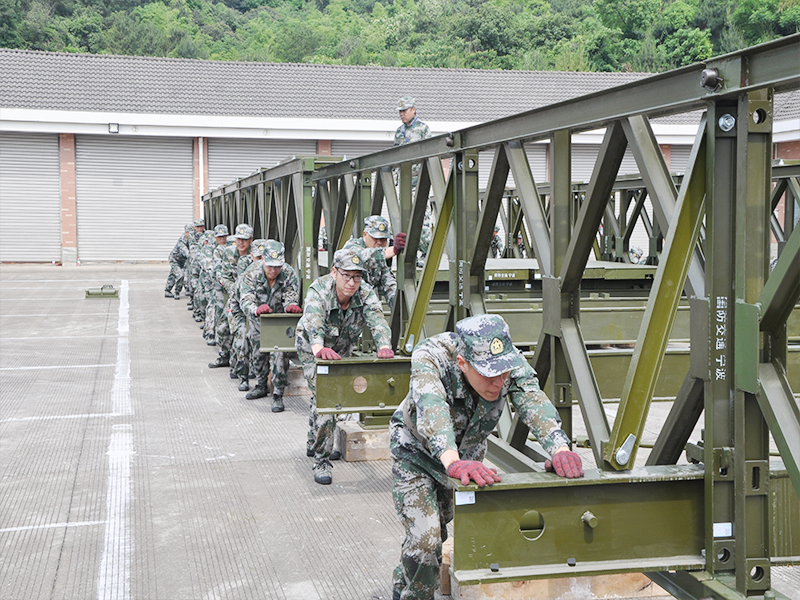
{"type": "Point", "coordinates": [129, 469]}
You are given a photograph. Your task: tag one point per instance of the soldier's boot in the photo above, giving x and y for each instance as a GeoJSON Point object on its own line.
{"type": "Point", "coordinates": [211, 341]}
{"type": "Point", "coordinates": [233, 374]}
{"type": "Point", "coordinates": [258, 392]}
{"type": "Point", "coordinates": [222, 361]}
{"type": "Point", "coordinates": [309, 448]}
{"type": "Point", "coordinates": [244, 385]}
{"type": "Point", "coordinates": [277, 404]}
{"type": "Point", "coordinates": [167, 293]}
{"type": "Point", "coordinates": [177, 295]}
{"type": "Point", "coordinates": [322, 471]}
{"type": "Point", "coordinates": [335, 455]}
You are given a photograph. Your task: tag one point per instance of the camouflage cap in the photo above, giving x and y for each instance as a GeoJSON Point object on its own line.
{"type": "Point", "coordinates": [243, 232]}
{"type": "Point", "coordinates": [199, 223]}
{"type": "Point", "coordinates": [220, 230]}
{"type": "Point", "coordinates": [273, 255]}
{"type": "Point", "coordinates": [230, 240]}
{"type": "Point", "coordinates": [258, 247]}
{"type": "Point", "coordinates": [377, 227]}
{"type": "Point", "coordinates": [487, 345]}
{"type": "Point", "coordinates": [348, 259]}
{"type": "Point", "coordinates": [496, 228]}
{"type": "Point", "coordinates": [406, 102]}
{"type": "Point", "coordinates": [188, 227]}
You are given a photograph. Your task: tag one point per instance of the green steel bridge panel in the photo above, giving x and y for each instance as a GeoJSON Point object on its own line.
{"type": "Point", "coordinates": [534, 525]}
{"type": "Point", "coordinates": [361, 384]}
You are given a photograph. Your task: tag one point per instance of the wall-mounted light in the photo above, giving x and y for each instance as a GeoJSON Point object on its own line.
{"type": "Point", "coordinates": [113, 128]}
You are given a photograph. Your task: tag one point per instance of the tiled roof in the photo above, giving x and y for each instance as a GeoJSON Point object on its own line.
{"type": "Point", "coordinates": [59, 81]}
{"type": "Point", "coordinates": [135, 84]}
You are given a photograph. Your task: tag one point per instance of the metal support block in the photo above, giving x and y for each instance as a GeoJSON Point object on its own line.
{"type": "Point", "coordinates": [107, 291]}
{"type": "Point", "coordinates": [361, 384]}
{"type": "Point", "coordinates": [278, 331]}
{"type": "Point", "coordinates": [534, 525]}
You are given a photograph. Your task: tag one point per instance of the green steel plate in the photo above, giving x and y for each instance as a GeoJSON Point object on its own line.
{"type": "Point", "coordinates": [536, 525]}
{"type": "Point", "coordinates": [361, 384]}
{"type": "Point", "coordinates": [277, 332]}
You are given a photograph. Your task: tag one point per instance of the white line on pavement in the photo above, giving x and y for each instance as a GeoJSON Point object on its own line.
{"type": "Point", "coordinates": [55, 367]}
{"type": "Point", "coordinates": [51, 526]}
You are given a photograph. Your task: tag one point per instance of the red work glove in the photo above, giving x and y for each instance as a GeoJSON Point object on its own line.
{"type": "Point", "coordinates": [293, 308]}
{"type": "Point", "coordinates": [565, 464]}
{"type": "Point", "coordinates": [399, 241]}
{"type": "Point", "coordinates": [327, 354]}
{"type": "Point", "coordinates": [263, 309]}
{"type": "Point", "coordinates": [472, 469]}
{"type": "Point", "coordinates": [385, 353]}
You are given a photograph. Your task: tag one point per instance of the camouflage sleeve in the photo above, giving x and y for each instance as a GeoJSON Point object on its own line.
{"type": "Point", "coordinates": [247, 293]}
{"type": "Point", "coordinates": [373, 315]}
{"type": "Point", "coordinates": [314, 315]}
{"type": "Point", "coordinates": [425, 131]}
{"type": "Point", "coordinates": [535, 409]}
{"type": "Point", "coordinates": [429, 397]}
{"type": "Point", "coordinates": [399, 139]}
{"type": "Point", "coordinates": [291, 288]}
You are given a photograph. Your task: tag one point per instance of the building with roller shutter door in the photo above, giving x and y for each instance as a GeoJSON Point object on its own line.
{"type": "Point", "coordinates": [97, 149]}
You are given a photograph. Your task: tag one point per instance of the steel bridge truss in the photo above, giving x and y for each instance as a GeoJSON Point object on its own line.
{"type": "Point", "coordinates": [712, 529]}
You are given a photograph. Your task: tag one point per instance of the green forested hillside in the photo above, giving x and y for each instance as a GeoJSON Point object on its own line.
{"type": "Point", "coordinates": [576, 35]}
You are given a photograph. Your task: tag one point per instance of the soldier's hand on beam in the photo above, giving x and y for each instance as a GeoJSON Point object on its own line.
{"type": "Point", "coordinates": [385, 352]}
{"type": "Point", "coordinates": [327, 354]}
{"type": "Point", "coordinates": [565, 463]}
{"type": "Point", "coordinates": [293, 308]}
{"type": "Point", "coordinates": [263, 309]}
{"type": "Point", "coordinates": [472, 469]}
{"type": "Point", "coordinates": [399, 241]}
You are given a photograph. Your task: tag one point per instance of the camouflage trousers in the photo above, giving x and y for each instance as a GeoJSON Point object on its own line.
{"type": "Point", "coordinates": [214, 311]}
{"type": "Point", "coordinates": [207, 283]}
{"type": "Point", "coordinates": [240, 347]}
{"type": "Point", "coordinates": [198, 296]}
{"type": "Point", "coordinates": [424, 507]}
{"type": "Point", "coordinates": [261, 362]}
{"type": "Point", "coordinates": [223, 330]}
{"type": "Point", "coordinates": [322, 427]}
{"type": "Point", "coordinates": [175, 278]}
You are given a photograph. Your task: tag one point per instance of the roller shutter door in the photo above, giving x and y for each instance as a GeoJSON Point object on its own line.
{"type": "Point", "coordinates": [679, 158]}
{"type": "Point", "coordinates": [134, 195]}
{"type": "Point", "coordinates": [230, 159]}
{"type": "Point", "coordinates": [537, 159]}
{"type": "Point", "coordinates": [353, 149]}
{"type": "Point", "coordinates": [30, 197]}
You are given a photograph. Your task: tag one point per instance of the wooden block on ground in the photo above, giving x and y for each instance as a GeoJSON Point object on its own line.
{"type": "Point", "coordinates": [620, 585]}
{"type": "Point", "coordinates": [297, 383]}
{"type": "Point", "coordinates": [359, 444]}
{"type": "Point", "coordinates": [447, 559]}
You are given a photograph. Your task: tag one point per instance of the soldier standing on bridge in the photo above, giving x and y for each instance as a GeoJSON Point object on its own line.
{"type": "Point", "coordinates": [459, 386]}
{"type": "Point", "coordinates": [497, 245]}
{"type": "Point", "coordinates": [268, 287]}
{"type": "Point", "coordinates": [376, 254]}
{"type": "Point", "coordinates": [337, 307]}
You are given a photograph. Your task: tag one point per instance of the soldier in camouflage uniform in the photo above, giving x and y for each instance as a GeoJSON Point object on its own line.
{"type": "Point", "coordinates": [191, 242]}
{"type": "Point", "coordinates": [523, 251]}
{"type": "Point", "coordinates": [202, 264]}
{"type": "Point", "coordinates": [459, 386]}
{"type": "Point", "coordinates": [212, 291]}
{"type": "Point", "coordinates": [337, 307]}
{"type": "Point", "coordinates": [269, 287]}
{"type": "Point", "coordinates": [235, 260]}
{"type": "Point", "coordinates": [497, 246]}
{"type": "Point", "coordinates": [414, 130]}
{"type": "Point", "coordinates": [375, 254]}
{"type": "Point", "coordinates": [177, 260]}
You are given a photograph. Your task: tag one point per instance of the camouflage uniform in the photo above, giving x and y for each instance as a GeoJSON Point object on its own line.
{"type": "Point", "coordinates": [192, 268]}
{"type": "Point", "coordinates": [377, 272]}
{"type": "Point", "coordinates": [212, 287]}
{"type": "Point", "coordinates": [177, 260]}
{"type": "Point", "coordinates": [442, 412]}
{"type": "Point", "coordinates": [191, 243]}
{"type": "Point", "coordinates": [324, 322]}
{"type": "Point", "coordinates": [497, 245]}
{"type": "Point", "coordinates": [202, 265]}
{"type": "Point", "coordinates": [232, 265]}
{"type": "Point", "coordinates": [254, 291]}
{"type": "Point", "coordinates": [523, 251]}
